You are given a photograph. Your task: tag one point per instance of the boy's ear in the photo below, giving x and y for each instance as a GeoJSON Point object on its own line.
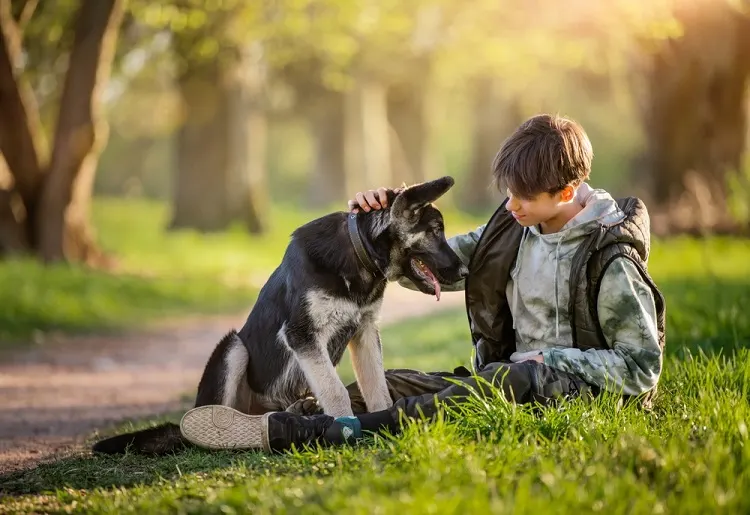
{"type": "Point", "coordinates": [567, 193]}
{"type": "Point", "coordinates": [418, 196]}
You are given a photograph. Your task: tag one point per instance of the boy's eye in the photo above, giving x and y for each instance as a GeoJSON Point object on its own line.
{"type": "Point", "coordinates": [519, 197]}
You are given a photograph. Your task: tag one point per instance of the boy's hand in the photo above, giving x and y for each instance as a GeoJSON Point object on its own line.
{"type": "Point", "coordinates": [370, 199]}
{"type": "Point", "coordinates": [534, 355]}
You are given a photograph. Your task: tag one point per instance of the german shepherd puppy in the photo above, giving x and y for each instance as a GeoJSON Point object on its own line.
{"type": "Point", "coordinates": [325, 296]}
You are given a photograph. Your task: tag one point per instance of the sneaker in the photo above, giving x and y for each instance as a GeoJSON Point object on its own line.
{"type": "Point", "coordinates": [222, 427]}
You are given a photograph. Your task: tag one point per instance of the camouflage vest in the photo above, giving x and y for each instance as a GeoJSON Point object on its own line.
{"type": "Point", "coordinates": [490, 319]}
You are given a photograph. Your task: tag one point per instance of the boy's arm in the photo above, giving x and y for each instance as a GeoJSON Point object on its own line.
{"type": "Point", "coordinates": [463, 245]}
{"type": "Point", "coordinates": [627, 316]}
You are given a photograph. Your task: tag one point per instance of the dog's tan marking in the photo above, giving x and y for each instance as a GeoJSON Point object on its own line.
{"type": "Point", "coordinates": [367, 361]}
{"type": "Point", "coordinates": [236, 391]}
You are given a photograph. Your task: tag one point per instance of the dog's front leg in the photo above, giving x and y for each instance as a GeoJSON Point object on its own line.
{"type": "Point", "coordinates": [323, 380]}
{"type": "Point", "coordinates": [367, 361]}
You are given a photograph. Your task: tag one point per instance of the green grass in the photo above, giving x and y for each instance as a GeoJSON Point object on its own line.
{"type": "Point", "coordinates": [691, 454]}
{"type": "Point", "coordinates": [161, 274]}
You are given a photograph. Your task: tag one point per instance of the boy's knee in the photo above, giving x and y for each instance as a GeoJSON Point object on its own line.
{"type": "Point", "coordinates": [515, 379]}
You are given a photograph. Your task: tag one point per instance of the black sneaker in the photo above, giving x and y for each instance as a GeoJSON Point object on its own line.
{"type": "Point", "coordinates": [222, 427]}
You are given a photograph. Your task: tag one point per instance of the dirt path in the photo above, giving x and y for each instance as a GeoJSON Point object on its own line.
{"type": "Point", "coordinates": [52, 397]}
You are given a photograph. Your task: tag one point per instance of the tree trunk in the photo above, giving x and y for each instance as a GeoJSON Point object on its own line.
{"type": "Point", "coordinates": [62, 224]}
{"type": "Point", "coordinates": [368, 150]}
{"type": "Point", "coordinates": [494, 119]}
{"type": "Point", "coordinates": [12, 230]}
{"type": "Point", "coordinates": [326, 118]}
{"type": "Point", "coordinates": [21, 138]}
{"type": "Point", "coordinates": [248, 189]}
{"type": "Point", "coordinates": [46, 208]}
{"type": "Point", "coordinates": [220, 171]}
{"type": "Point", "coordinates": [694, 118]}
{"type": "Point", "coordinates": [13, 235]}
{"type": "Point", "coordinates": [201, 173]}
{"type": "Point", "coordinates": [408, 113]}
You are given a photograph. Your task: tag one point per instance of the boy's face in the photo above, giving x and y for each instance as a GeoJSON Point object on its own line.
{"type": "Point", "coordinates": [540, 209]}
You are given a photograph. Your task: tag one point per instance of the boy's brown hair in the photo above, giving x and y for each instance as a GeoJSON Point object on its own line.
{"type": "Point", "coordinates": [543, 155]}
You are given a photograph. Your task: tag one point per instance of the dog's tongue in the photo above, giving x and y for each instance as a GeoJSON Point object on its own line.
{"type": "Point", "coordinates": [435, 282]}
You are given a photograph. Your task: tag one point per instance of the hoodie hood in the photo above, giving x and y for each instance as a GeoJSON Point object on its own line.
{"type": "Point", "coordinates": [599, 208]}
{"type": "Point", "coordinates": [539, 306]}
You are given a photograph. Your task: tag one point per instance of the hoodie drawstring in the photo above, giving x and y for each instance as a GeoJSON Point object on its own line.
{"type": "Point", "coordinates": [557, 298]}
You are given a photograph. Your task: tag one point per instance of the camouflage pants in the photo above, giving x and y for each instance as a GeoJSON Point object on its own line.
{"type": "Point", "coordinates": [413, 391]}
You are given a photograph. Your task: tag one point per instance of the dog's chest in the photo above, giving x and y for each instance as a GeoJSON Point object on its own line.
{"type": "Point", "coordinates": [330, 313]}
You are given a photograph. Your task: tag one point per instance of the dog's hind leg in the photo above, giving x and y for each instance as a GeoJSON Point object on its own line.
{"type": "Point", "coordinates": [367, 361]}
{"type": "Point", "coordinates": [224, 379]}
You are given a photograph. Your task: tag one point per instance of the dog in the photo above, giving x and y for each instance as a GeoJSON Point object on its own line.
{"type": "Point", "coordinates": [324, 297]}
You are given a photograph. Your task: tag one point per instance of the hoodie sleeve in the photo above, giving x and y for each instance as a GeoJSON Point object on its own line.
{"type": "Point", "coordinates": [463, 245]}
{"type": "Point", "coordinates": [627, 315]}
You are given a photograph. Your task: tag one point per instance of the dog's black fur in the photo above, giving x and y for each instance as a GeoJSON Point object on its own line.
{"type": "Point", "coordinates": [321, 295]}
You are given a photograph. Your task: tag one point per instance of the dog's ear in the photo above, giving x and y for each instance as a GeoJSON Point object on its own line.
{"type": "Point", "coordinates": [418, 196]}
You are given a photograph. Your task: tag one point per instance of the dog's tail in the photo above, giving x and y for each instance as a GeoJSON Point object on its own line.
{"type": "Point", "coordinates": [163, 439]}
{"type": "Point", "coordinates": [228, 360]}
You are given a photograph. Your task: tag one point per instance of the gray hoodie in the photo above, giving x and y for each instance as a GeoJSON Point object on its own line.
{"type": "Point", "coordinates": [538, 293]}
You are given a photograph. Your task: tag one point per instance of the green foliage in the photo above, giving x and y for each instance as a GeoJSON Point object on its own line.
{"type": "Point", "coordinates": [525, 43]}
{"type": "Point", "coordinates": [691, 454]}
{"type": "Point", "coordinates": [333, 39]}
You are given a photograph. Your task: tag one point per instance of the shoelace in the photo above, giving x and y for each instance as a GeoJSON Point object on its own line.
{"type": "Point", "coordinates": [313, 430]}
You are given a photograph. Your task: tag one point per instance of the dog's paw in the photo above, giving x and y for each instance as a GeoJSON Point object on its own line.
{"type": "Point", "coordinates": [306, 406]}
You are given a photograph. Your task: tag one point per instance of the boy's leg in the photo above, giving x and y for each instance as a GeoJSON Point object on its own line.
{"type": "Point", "coordinates": [401, 382]}
{"type": "Point", "coordinates": [223, 427]}
{"type": "Point", "coordinates": [524, 382]}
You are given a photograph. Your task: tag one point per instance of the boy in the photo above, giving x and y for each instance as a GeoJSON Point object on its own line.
{"type": "Point", "coordinates": [559, 300]}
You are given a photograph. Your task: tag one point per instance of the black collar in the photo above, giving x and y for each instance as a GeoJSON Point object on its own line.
{"type": "Point", "coordinates": [359, 247]}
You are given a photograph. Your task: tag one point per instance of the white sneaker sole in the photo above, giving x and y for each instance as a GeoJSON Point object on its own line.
{"type": "Point", "coordinates": [222, 427]}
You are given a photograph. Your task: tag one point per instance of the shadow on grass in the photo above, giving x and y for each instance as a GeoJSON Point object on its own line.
{"type": "Point", "coordinates": [87, 471]}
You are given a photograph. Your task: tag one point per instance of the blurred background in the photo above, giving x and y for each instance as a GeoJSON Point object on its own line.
{"type": "Point", "coordinates": [156, 155]}
{"type": "Point", "coordinates": [173, 140]}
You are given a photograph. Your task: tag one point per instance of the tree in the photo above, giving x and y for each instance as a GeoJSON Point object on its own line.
{"type": "Point", "coordinates": [220, 155]}
{"type": "Point", "coordinates": [326, 117]}
{"type": "Point", "coordinates": [410, 113]}
{"type": "Point", "coordinates": [360, 73]}
{"type": "Point", "coordinates": [220, 170]}
{"type": "Point", "coordinates": [695, 116]}
{"type": "Point", "coordinates": [52, 189]}
{"type": "Point", "coordinates": [494, 117]}
{"type": "Point", "coordinates": [219, 173]}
